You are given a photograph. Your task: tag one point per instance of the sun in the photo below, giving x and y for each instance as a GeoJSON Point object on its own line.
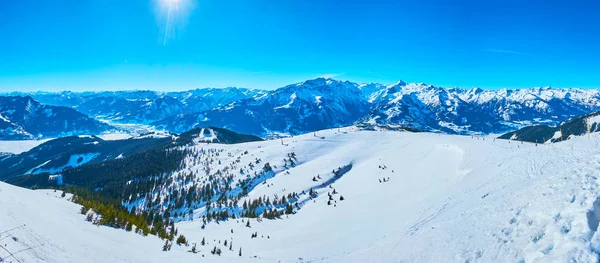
{"type": "Point", "coordinates": [172, 16]}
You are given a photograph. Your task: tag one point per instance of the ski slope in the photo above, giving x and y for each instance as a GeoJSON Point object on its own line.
{"type": "Point", "coordinates": [48, 228]}
{"type": "Point", "coordinates": [408, 197]}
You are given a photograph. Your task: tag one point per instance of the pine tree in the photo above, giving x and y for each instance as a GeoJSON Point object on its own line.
{"type": "Point", "coordinates": [181, 240]}
{"type": "Point", "coordinates": [248, 223]}
{"type": "Point", "coordinates": [167, 246]}
{"type": "Point", "coordinates": [203, 242]}
{"type": "Point", "coordinates": [240, 252]}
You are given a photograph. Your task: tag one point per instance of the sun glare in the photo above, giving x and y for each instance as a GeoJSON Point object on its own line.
{"type": "Point", "coordinates": [172, 17]}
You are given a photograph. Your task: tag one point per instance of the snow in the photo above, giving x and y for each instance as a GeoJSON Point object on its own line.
{"type": "Point", "coordinates": [448, 199]}
{"type": "Point", "coordinates": [289, 104]}
{"type": "Point", "coordinates": [475, 203]}
{"type": "Point", "coordinates": [154, 135]}
{"type": "Point", "coordinates": [75, 160]}
{"type": "Point", "coordinates": [201, 137]}
{"type": "Point", "coordinates": [56, 232]}
{"type": "Point", "coordinates": [557, 134]}
{"type": "Point", "coordinates": [318, 99]}
{"type": "Point", "coordinates": [37, 167]}
{"type": "Point", "coordinates": [4, 119]}
{"type": "Point", "coordinates": [48, 112]}
{"type": "Point", "coordinates": [18, 147]}
{"type": "Point", "coordinates": [593, 120]}
{"type": "Point", "coordinates": [58, 178]}
{"type": "Point", "coordinates": [114, 136]}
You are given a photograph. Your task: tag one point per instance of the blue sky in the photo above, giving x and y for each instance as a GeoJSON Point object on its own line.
{"type": "Point", "coordinates": [116, 44]}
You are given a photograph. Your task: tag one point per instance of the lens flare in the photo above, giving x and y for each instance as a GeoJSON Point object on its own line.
{"type": "Point", "coordinates": [172, 17]}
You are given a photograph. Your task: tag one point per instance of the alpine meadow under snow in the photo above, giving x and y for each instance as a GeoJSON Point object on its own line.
{"type": "Point", "coordinates": [361, 196]}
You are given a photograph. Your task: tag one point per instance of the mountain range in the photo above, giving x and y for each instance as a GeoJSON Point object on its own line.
{"type": "Point", "coordinates": [327, 103]}
{"type": "Point", "coordinates": [141, 106]}
{"type": "Point", "coordinates": [25, 118]}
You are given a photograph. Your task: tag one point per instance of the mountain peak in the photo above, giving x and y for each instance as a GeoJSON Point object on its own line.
{"type": "Point", "coordinates": [321, 81]}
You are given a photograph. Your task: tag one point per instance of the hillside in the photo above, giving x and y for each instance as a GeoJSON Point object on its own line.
{"type": "Point", "coordinates": [55, 155]}
{"type": "Point", "coordinates": [33, 168]}
{"type": "Point", "coordinates": [577, 126]}
{"type": "Point", "coordinates": [359, 196]}
{"type": "Point", "coordinates": [42, 226]}
{"type": "Point", "coordinates": [25, 118]}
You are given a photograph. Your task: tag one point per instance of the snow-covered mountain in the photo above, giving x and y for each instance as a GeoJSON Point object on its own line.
{"type": "Point", "coordinates": [352, 196]}
{"type": "Point", "coordinates": [26, 118]}
{"type": "Point", "coordinates": [294, 109]}
{"type": "Point", "coordinates": [326, 103]}
{"type": "Point", "coordinates": [122, 110]}
{"type": "Point", "coordinates": [431, 108]}
{"type": "Point", "coordinates": [141, 107]}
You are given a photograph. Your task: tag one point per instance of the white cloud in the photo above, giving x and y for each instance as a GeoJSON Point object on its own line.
{"type": "Point", "coordinates": [330, 75]}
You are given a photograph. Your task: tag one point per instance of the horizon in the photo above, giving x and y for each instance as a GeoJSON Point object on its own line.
{"type": "Point", "coordinates": [167, 45]}
{"type": "Point", "coordinates": [8, 92]}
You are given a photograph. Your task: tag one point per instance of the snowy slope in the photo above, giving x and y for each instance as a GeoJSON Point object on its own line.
{"type": "Point", "coordinates": [476, 200]}
{"type": "Point", "coordinates": [441, 198]}
{"type": "Point", "coordinates": [52, 230]}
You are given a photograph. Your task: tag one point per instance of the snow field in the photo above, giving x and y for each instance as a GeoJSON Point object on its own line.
{"type": "Point", "coordinates": [408, 197]}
